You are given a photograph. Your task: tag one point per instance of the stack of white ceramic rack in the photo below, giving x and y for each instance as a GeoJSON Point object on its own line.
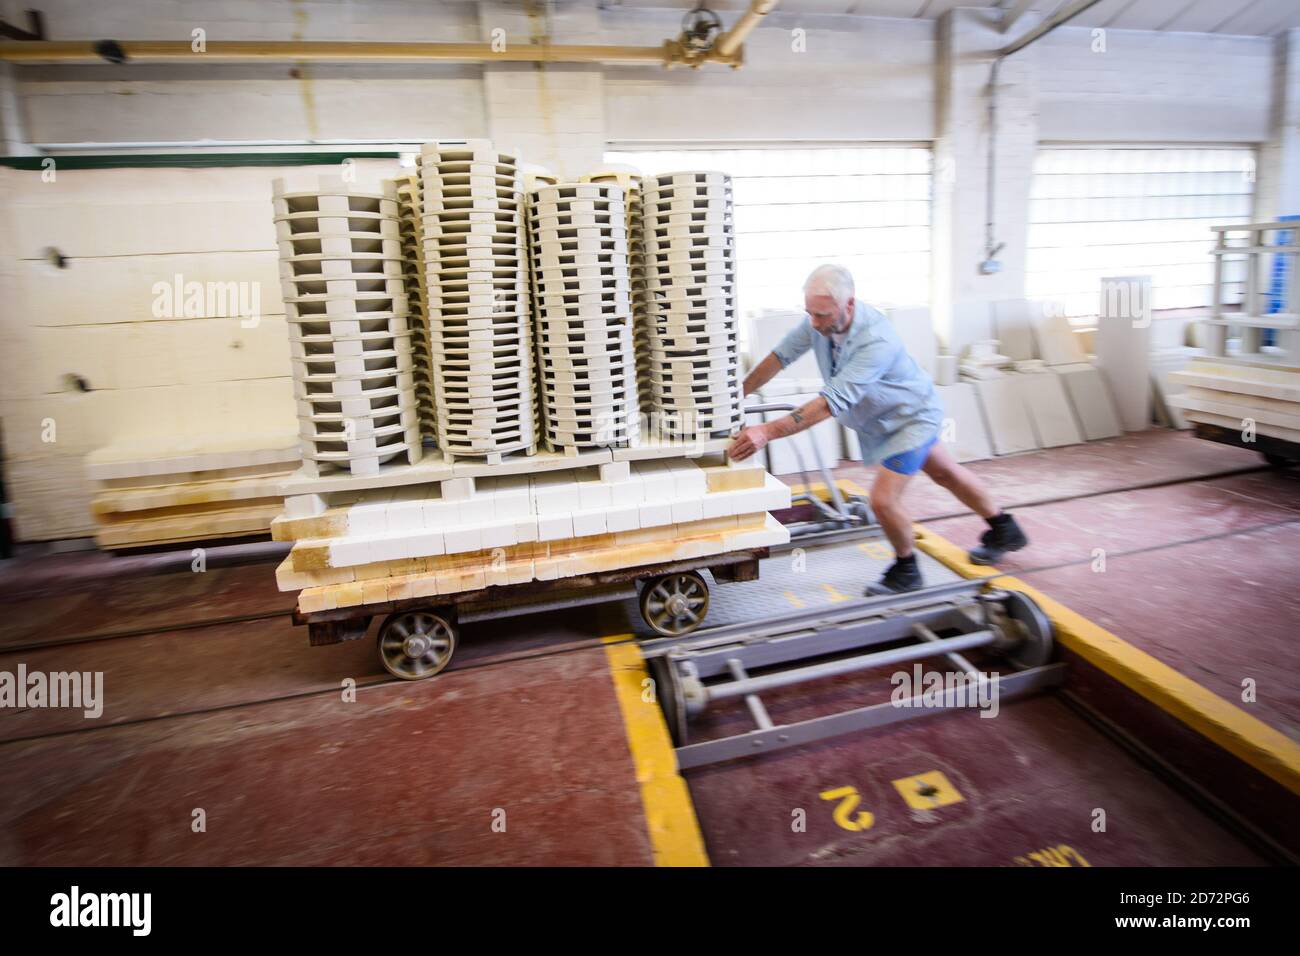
{"type": "Point", "coordinates": [584, 313]}
{"type": "Point", "coordinates": [417, 294]}
{"type": "Point", "coordinates": [349, 340]}
{"type": "Point", "coordinates": [692, 360]}
{"type": "Point", "coordinates": [535, 177]}
{"type": "Point", "coordinates": [479, 321]}
{"type": "Point", "coordinates": [629, 177]}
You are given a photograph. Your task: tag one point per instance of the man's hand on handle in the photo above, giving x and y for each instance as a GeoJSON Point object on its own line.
{"type": "Point", "coordinates": [750, 441]}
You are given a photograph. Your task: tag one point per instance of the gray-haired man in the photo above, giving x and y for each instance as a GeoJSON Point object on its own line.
{"type": "Point", "coordinates": [874, 387]}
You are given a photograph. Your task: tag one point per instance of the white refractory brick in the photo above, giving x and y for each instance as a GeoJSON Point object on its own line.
{"type": "Point", "coordinates": [963, 431]}
{"type": "Point", "coordinates": [554, 527]}
{"type": "Point", "coordinates": [1014, 328]}
{"type": "Point", "coordinates": [654, 514]}
{"type": "Point", "coordinates": [1123, 343]}
{"type": "Point", "coordinates": [304, 506]}
{"type": "Point", "coordinates": [614, 471]}
{"type": "Point", "coordinates": [588, 521]}
{"type": "Point", "coordinates": [463, 538]}
{"type": "Point", "coordinates": [458, 489]}
{"type": "Point", "coordinates": [352, 345]}
{"type": "Point", "coordinates": [915, 328]}
{"type": "Point", "coordinates": [1004, 410]}
{"type": "Point", "coordinates": [499, 534]}
{"type": "Point", "coordinates": [688, 343]}
{"type": "Point", "coordinates": [657, 482]}
{"type": "Point", "coordinates": [582, 314]}
{"type": "Point", "coordinates": [1091, 400]}
{"type": "Point", "coordinates": [623, 519]}
{"type": "Point", "coordinates": [1049, 410]}
{"type": "Point", "coordinates": [1058, 344]}
{"type": "Point", "coordinates": [480, 331]}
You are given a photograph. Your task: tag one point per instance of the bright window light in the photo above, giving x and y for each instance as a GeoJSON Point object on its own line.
{"type": "Point", "coordinates": [866, 207]}
{"type": "Point", "coordinates": [1132, 211]}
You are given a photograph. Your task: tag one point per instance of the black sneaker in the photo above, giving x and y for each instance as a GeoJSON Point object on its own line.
{"type": "Point", "coordinates": [903, 575]}
{"type": "Point", "coordinates": [1003, 535]}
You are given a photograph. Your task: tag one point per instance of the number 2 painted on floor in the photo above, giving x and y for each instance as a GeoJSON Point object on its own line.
{"type": "Point", "coordinates": [849, 798]}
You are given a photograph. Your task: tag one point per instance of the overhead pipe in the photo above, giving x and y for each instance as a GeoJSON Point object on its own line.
{"type": "Point", "coordinates": [1061, 16]}
{"type": "Point", "coordinates": [727, 50]}
{"type": "Point", "coordinates": [1068, 12]}
{"type": "Point", "coordinates": [321, 51]}
{"type": "Point", "coordinates": [729, 43]}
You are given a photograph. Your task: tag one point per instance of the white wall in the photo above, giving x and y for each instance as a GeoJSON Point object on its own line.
{"type": "Point", "coordinates": [857, 78]}
{"type": "Point", "coordinates": [1154, 87]}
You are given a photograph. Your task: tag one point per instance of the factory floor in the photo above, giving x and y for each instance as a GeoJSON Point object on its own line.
{"type": "Point", "coordinates": [226, 739]}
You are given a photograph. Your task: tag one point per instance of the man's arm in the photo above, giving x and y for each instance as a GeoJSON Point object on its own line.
{"type": "Point", "coordinates": [754, 438]}
{"type": "Point", "coordinates": [762, 373]}
{"type": "Point", "coordinates": [803, 417]}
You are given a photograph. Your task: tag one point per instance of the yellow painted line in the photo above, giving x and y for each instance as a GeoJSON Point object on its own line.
{"type": "Point", "coordinates": [1227, 725]}
{"type": "Point", "coordinates": [794, 599]}
{"type": "Point", "coordinates": [675, 837]}
{"type": "Point", "coordinates": [880, 550]}
{"type": "Point", "coordinates": [847, 486]}
{"type": "Point", "coordinates": [833, 594]}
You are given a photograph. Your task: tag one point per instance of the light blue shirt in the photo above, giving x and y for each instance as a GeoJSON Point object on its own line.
{"type": "Point", "coordinates": [872, 385]}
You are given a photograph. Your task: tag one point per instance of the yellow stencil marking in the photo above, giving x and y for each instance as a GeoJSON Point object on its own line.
{"type": "Point", "coordinates": [848, 798]}
{"type": "Point", "coordinates": [832, 594]}
{"type": "Point", "coordinates": [926, 791]}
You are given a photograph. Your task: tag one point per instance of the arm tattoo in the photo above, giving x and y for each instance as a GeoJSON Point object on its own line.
{"type": "Point", "coordinates": [797, 416]}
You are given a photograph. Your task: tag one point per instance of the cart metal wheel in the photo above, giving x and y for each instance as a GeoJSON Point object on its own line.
{"type": "Point", "coordinates": [417, 644]}
{"type": "Point", "coordinates": [675, 603]}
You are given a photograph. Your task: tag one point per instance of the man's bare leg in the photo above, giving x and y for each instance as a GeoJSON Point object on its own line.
{"type": "Point", "coordinates": [886, 502]}
{"type": "Point", "coordinates": [1004, 534]}
{"type": "Point", "coordinates": [959, 481]}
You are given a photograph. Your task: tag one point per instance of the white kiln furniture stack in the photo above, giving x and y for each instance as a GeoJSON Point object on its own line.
{"type": "Point", "coordinates": [630, 180]}
{"type": "Point", "coordinates": [349, 341]}
{"type": "Point", "coordinates": [409, 207]}
{"type": "Point", "coordinates": [479, 321]}
{"type": "Point", "coordinates": [693, 364]}
{"type": "Point", "coordinates": [586, 366]}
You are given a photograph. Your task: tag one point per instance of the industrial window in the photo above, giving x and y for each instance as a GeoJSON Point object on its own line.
{"type": "Point", "coordinates": [866, 207]}
{"type": "Point", "coordinates": [1132, 211]}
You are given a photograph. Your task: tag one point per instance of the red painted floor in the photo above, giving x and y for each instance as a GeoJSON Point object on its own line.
{"type": "Point", "coordinates": [1053, 474]}
{"type": "Point", "coordinates": [219, 703]}
{"type": "Point", "coordinates": [1199, 575]}
{"type": "Point", "coordinates": [407, 774]}
{"type": "Point", "coordinates": [1030, 779]}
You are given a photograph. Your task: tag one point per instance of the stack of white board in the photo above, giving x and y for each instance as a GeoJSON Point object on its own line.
{"type": "Point", "coordinates": [479, 319]}
{"type": "Point", "coordinates": [417, 296]}
{"type": "Point", "coordinates": [151, 493]}
{"type": "Point", "coordinates": [693, 358]}
{"type": "Point", "coordinates": [349, 338]}
{"type": "Point", "coordinates": [586, 365]}
{"type": "Point", "coordinates": [1248, 397]}
{"type": "Point", "coordinates": [430, 539]}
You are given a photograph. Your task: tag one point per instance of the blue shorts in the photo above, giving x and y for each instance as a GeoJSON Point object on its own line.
{"type": "Point", "coordinates": [910, 462]}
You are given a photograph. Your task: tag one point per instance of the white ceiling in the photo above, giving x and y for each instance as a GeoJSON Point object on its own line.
{"type": "Point", "coordinates": [1241, 17]}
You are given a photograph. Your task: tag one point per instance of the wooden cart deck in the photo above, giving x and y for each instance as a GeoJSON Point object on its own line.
{"type": "Point", "coordinates": [351, 623]}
